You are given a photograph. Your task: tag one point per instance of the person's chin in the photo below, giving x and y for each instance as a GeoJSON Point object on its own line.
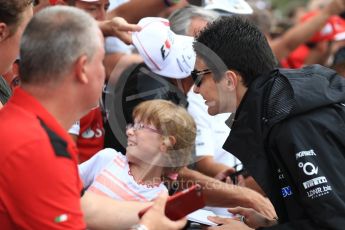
{"type": "Point", "coordinates": [130, 149]}
{"type": "Point", "coordinates": [212, 110]}
{"type": "Point", "coordinates": [212, 107]}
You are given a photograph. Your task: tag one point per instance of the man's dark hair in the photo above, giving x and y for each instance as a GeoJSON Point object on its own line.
{"type": "Point", "coordinates": [239, 44]}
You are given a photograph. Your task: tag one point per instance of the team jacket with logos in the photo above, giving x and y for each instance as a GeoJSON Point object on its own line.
{"type": "Point", "coordinates": [289, 131]}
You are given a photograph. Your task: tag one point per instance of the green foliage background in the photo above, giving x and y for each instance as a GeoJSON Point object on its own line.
{"type": "Point", "coordinates": [285, 5]}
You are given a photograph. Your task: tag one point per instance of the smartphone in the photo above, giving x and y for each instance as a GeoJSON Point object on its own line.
{"type": "Point", "coordinates": [182, 203]}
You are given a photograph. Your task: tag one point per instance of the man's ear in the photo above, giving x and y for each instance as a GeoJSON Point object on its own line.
{"type": "Point", "coordinates": [231, 78]}
{"type": "Point", "coordinates": [4, 31]}
{"type": "Point", "coordinates": [80, 69]}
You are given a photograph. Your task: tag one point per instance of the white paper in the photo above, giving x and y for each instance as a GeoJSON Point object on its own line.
{"type": "Point", "coordinates": [200, 215]}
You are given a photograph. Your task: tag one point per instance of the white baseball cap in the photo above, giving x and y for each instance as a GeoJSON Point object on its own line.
{"type": "Point", "coordinates": [229, 6]}
{"type": "Point", "coordinates": [164, 52]}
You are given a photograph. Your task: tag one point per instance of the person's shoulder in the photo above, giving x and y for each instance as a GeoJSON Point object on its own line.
{"type": "Point", "coordinates": [109, 153]}
{"type": "Point", "coordinates": [17, 127]}
{"type": "Point", "coordinates": [297, 126]}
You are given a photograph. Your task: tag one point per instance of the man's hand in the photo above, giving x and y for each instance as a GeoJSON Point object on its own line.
{"type": "Point", "coordinates": [120, 28]}
{"type": "Point", "coordinates": [263, 206]}
{"type": "Point", "coordinates": [154, 218]}
{"type": "Point", "coordinates": [252, 218]}
{"type": "Point", "coordinates": [225, 175]}
{"type": "Point", "coordinates": [224, 195]}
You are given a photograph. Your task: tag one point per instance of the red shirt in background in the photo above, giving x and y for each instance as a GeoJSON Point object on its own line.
{"type": "Point", "coordinates": [89, 132]}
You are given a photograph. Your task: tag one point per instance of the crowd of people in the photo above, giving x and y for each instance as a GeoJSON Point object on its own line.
{"type": "Point", "coordinates": [108, 107]}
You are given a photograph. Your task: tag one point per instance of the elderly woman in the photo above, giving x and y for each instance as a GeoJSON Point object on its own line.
{"type": "Point", "coordinates": [14, 15]}
{"type": "Point", "coordinates": [159, 143]}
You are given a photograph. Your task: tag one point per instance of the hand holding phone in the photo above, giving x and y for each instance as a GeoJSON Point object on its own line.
{"type": "Point", "coordinates": [182, 203]}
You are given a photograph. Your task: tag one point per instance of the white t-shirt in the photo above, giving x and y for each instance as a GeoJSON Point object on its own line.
{"type": "Point", "coordinates": [115, 3]}
{"type": "Point", "coordinates": [107, 173]}
{"type": "Point", "coordinates": [211, 131]}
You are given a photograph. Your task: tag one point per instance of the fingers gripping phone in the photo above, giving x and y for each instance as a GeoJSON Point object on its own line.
{"type": "Point", "coordinates": [182, 203]}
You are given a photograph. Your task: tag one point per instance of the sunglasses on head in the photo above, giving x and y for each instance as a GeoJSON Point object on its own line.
{"type": "Point", "coordinates": [198, 75]}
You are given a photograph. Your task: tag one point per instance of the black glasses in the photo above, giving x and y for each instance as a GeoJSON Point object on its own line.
{"type": "Point", "coordinates": [198, 75]}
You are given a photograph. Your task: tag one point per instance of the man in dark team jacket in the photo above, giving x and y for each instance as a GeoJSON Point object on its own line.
{"type": "Point", "coordinates": [289, 127]}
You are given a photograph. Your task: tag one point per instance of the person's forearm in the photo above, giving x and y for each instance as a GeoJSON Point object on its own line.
{"type": "Point", "coordinates": [147, 8]}
{"type": "Point", "coordinates": [225, 195]}
{"type": "Point", "coordinates": [302, 32]}
{"type": "Point", "coordinates": [105, 28]}
{"type": "Point", "coordinates": [297, 35]}
{"type": "Point", "coordinates": [251, 183]}
{"type": "Point", "coordinates": [216, 193]}
{"type": "Point", "coordinates": [208, 166]}
{"type": "Point", "coordinates": [104, 213]}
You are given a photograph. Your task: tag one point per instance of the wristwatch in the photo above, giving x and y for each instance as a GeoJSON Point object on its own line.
{"type": "Point", "coordinates": [138, 227]}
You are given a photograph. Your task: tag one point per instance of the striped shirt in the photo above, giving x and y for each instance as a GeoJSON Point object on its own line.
{"type": "Point", "coordinates": [107, 173]}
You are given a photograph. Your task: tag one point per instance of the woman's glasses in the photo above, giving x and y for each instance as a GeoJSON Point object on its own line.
{"type": "Point", "coordinates": [197, 76]}
{"type": "Point", "coordinates": [140, 126]}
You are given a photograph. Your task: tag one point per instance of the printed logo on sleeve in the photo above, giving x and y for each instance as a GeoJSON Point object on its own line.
{"type": "Point", "coordinates": [319, 191]}
{"type": "Point", "coordinates": [314, 182]}
{"type": "Point", "coordinates": [61, 218]}
{"type": "Point", "coordinates": [280, 174]}
{"type": "Point", "coordinates": [305, 153]}
{"type": "Point", "coordinates": [308, 168]}
{"type": "Point", "coordinates": [286, 191]}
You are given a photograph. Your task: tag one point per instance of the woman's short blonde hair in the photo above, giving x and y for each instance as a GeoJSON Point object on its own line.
{"type": "Point", "coordinates": [171, 120]}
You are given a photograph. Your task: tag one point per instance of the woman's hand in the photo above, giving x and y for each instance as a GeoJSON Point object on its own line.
{"type": "Point", "coordinates": [155, 219]}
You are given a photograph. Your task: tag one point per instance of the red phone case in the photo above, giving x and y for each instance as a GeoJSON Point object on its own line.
{"type": "Point", "coordinates": [182, 203]}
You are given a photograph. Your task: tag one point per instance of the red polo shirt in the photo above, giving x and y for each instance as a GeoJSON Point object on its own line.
{"type": "Point", "coordinates": [91, 137]}
{"type": "Point", "coordinates": [40, 186]}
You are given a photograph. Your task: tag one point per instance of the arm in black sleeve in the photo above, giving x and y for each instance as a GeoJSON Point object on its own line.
{"type": "Point", "coordinates": [310, 151]}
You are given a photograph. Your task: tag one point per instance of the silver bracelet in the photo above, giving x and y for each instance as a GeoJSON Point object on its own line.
{"type": "Point", "coordinates": [138, 227]}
